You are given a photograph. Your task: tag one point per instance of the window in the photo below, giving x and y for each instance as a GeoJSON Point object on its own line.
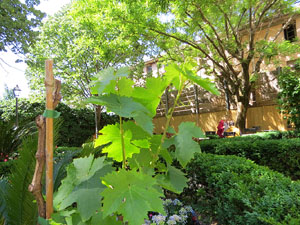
{"type": "Point", "coordinates": [290, 32]}
{"type": "Point", "coordinates": [149, 68]}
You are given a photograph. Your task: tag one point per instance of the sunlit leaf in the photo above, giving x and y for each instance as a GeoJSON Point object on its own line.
{"type": "Point", "coordinates": [132, 194]}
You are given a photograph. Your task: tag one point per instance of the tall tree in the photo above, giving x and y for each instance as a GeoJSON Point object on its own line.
{"type": "Point", "coordinates": [18, 20]}
{"type": "Point", "coordinates": [224, 34]}
{"type": "Point", "coordinates": [82, 45]}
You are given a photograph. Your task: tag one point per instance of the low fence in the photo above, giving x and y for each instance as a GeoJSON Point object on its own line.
{"type": "Point", "coordinates": [265, 117]}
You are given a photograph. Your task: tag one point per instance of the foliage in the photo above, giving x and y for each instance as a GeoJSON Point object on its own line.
{"type": "Point", "coordinates": [5, 168]}
{"type": "Point", "coordinates": [280, 155]}
{"type": "Point", "coordinates": [289, 96]}
{"type": "Point", "coordinates": [18, 22]}
{"type": "Point", "coordinates": [137, 186]}
{"type": "Point", "coordinates": [10, 138]}
{"type": "Point", "coordinates": [81, 45]}
{"type": "Point", "coordinates": [19, 207]}
{"type": "Point", "coordinates": [223, 34]}
{"type": "Point", "coordinates": [236, 191]}
{"type": "Point", "coordinates": [77, 124]}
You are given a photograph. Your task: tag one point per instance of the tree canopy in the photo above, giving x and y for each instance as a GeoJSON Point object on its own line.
{"type": "Point", "coordinates": [231, 38]}
{"type": "Point", "coordinates": [82, 44]}
{"type": "Point", "coordinates": [18, 21]}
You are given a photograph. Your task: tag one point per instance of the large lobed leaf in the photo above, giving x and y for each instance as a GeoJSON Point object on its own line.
{"type": "Point", "coordinates": [132, 194]}
{"type": "Point", "coordinates": [126, 107]}
{"type": "Point", "coordinates": [111, 134]}
{"type": "Point", "coordinates": [184, 143]}
{"type": "Point", "coordinates": [83, 186]}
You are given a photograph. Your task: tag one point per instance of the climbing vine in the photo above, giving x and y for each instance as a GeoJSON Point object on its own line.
{"type": "Point", "coordinates": [103, 192]}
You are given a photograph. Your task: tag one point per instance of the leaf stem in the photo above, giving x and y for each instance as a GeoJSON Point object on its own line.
{"type": "Point", "coordinates": [122, 142]}
{"type": "Point", "coordinates": [169, 117]}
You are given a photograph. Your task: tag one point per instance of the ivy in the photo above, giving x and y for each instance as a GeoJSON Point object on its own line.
{"type": "Point", "coordinates": [289, 95]}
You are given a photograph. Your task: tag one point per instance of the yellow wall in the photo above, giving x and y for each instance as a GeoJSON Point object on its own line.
{"type": "Point", "coordinates": [267, 117]}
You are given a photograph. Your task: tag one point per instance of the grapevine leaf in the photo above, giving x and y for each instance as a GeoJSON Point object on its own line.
{"type": "Point", "coordinates": [132, 194]}
{"type": "Point", "coordinates": [172, 75]}
{"type": "Point", "coordinates": [144, 143]}
{"type": "Point", "coordinates": [174, 180]}
{"type": "Point", "coordinates": [126, 107]}
{"type": "Point", "coordinates": [202, 82]}
{"type": "Point", "coordinates": [104, 80]}
{"type": "Point", "coordinates": [83, 186]}
{"type": "Point", "coordinates": [111, 133]}
{"type": "Point", "coordinates": [109, 220]}
{"type": "Point", "coordinates": [185, 145]}
{"type": "Point", "coordinates": [141, 160]}
{"type": "Point", "coordinates": [137, 131]}
{"type": "Point", "coordinates": [125, 87]}
{"type": "Point", "coordinates": [155, 143]}
{"type": "Point", "coordinates": [150, 95]}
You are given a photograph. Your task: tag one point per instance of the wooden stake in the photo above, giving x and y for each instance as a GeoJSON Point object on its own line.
{"type": "Point", "coordinates": [49, 83]}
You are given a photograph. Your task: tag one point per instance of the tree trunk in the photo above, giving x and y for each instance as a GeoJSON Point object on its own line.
{"type": "Point", "coordinates": [241, 116]}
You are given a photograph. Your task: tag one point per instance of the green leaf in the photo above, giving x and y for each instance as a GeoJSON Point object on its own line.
{"type": "Point", "coordinates": [185, 145]}
{"type": "Point", "coordinates": [111, 133]}
{"type": "Point", "coordinates": [174, 180]}
{"type": "Point", "coordinates": [204, 83]}
{"type": "Point", "coordinates": [141, 160]}
{"type": "Point", "coordinates": [150, 95]}
{"type": "Point", "coordinates": [83, 186]}
{"type": "Point", "coordinates": [172, 75]}
{"type": "Point", "coordinates": [155, 143]}
{"type": "Point", "coordinates": [137, 131]}
{"type": "Point", "coordinates": [109, 220]}
{"type": "Point", "coordinates": [132, 194]}
{"type": "Point", "coordinates": [126, 107]}
{"type": "Point", "coordinates": [125, 87]}
{"type": "Point", "coordinates": [102, 84]}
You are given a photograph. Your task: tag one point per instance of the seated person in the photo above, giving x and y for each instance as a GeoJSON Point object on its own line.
{"type": "Point", "coordinates": [233, 128]}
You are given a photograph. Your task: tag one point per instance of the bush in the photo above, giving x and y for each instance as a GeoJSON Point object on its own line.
{"type": "Point", "coordinates": [236, 191]}
{"type": "Point", "coordinates": [279, 155]}
{"type": "Point", "coordinates": [78, 125]}
{"type": "Point", "coordinates": [5, 168]}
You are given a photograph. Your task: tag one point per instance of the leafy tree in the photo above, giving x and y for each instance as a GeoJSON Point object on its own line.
{"type": "Point", "coordinates": [289, 95]}
{"type": "Point", "coordinates": [18, 20]}
{"type": "Point", "coordinates": [81, 45]}
{"type": "Point", "coordinates": [223, 34]}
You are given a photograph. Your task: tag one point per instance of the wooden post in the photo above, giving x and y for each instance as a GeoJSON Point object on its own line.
{"type": "Point", "coordinates": [49, 83]}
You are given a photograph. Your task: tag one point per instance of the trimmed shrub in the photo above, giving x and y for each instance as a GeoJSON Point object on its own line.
{"type": "Point", "coordinates": [236, 191]}
{"type": "Point", "coordinates": [279, 155]}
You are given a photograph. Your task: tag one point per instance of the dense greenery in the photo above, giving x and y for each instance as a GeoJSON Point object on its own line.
{"type": "Point", "coordinates": [135, 186]}
{"type": "Point", "coordinates": [282, 155]}
{"type": "Point", "coordinates": [236, 191]}
{"type": "Point", "coordinates": [289, 95]}
{"type": "Point", "coordinates": [18, 23]}
{"type": "Point", "coordinates": [18, 206]}
{"type": "Point", "coordinates": [81, 44]}
{"type": "Point", "coordinates": [78, 125]}
{"type": "Point", "coordinates": [224, 34]}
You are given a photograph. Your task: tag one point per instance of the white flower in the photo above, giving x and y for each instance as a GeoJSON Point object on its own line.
{"type": "Point", "coordinates": [158, 219]}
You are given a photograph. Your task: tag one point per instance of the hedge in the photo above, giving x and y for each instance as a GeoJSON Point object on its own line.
{"type": "Point", "coordinates": [237, 191]}
{"type": "Point", "coordinates": [280, 155]}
